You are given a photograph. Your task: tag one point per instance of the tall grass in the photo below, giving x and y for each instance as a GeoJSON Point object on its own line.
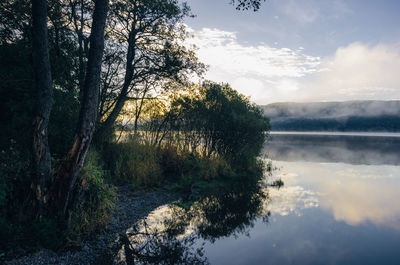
{"type": "Point", "coordinates": [144, 165]}
{"type": "Point", "coordinates": [134, 163]}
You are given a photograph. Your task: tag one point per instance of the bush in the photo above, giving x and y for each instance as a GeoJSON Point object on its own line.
{"type": "Point", "coordinates": [95, 205]}
{"type": "Point", "coordinates": [226, 123]}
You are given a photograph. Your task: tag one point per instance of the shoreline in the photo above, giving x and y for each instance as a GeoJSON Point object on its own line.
{"type": "Point", "coordinates": [130, 208]}
{"type": "Point", "coordinates": [328, 133]}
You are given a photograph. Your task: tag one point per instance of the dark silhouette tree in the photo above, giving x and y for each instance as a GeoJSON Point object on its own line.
{"type": "Point", "coordinates": [247, 4]}
{"type": "Point", "coordinates": [150, 33]}
{"type": "Point", "coordinates": [44, 86]}
{"type": "Point", "coordinates": [67, 174]}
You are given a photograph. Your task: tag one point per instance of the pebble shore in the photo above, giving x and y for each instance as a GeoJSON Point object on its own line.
{"type": "Point", "coordinates": [130, 208]}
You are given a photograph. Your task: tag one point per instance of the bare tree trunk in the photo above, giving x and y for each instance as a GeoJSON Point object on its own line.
{"type": "Point", "coordinates": [44, 102]}
{"type": "Point", "coordinates": [105, 128]}
{"type": "Point", "coordinates": [139, 108]}
{"type": "Point", "coordinates": [68, 172]}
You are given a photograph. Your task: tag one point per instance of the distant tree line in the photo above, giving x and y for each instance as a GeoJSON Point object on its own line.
{"type": "Point", "coordinates": [383, 123]}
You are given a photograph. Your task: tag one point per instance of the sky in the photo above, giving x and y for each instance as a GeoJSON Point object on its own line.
{"type": "Point", "coordinates": [301, 50]}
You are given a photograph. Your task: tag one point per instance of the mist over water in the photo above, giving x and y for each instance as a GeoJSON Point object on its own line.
{"type": "Point", "coordinates": [349, 149]}
{"type": "Point", "coordinates": [367, 108]}
{"type": "Point", "coordinates": [340, 204]}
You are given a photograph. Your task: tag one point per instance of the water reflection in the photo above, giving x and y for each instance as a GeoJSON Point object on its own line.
{"type": "Point", "coordinates": [340, 205]}
{"type": "Point", "coordinates": [171, 234]}
{"type": "Point", "coordinates": [359, 150]}
{"type": "Point", "coordinates": [354, 194]}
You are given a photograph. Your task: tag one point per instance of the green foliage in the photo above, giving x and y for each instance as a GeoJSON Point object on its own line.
{"type": "Point", "coordinates": [213, 134]}
{"type": "Point", "coordinates": [226, 123]}
{"type": "Point", "coordinates": [18, 94]}
{"type": "Point", "coordinates": [96, 202]}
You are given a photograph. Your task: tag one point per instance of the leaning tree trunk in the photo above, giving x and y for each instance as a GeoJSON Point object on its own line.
{"type": "Point", "coordinates": [61, 191]}
{"type": "Point", "coordinates": [44, 101]}
{"type": "Point", "coordinates": [103, 131]}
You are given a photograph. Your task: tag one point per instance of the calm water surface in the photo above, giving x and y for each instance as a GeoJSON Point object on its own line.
{"type": "Point", "coordinates": [340, 205]}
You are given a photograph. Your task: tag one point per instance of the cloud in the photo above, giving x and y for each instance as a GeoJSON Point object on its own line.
{"type": "Point", "coordinates": [259, 71]}
{"type": "Point", "coordinates": [291, 200]}
{"type": "Point", "coordinates": [221, 50]}
{"type": "Point", "coordinates": [270, 74]}
{"type": "Point", "coordinates": [355, 194]}
{"type": "Point", "coordinates": [356, 71]}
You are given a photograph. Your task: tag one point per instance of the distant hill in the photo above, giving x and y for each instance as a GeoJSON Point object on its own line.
{"type": "Point", "coordinates": [367, 116]}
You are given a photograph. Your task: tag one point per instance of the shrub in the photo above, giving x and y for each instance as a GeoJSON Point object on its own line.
{"type": "Point", "coordinates": [95, 204]}
{"type": "Point", "coordinates": [226, 123]}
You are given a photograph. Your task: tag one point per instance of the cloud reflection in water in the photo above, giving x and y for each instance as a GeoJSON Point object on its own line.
{"type": "Point", "coordinates": [355, 194]}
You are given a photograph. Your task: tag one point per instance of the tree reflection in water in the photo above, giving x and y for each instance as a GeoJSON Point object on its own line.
{"type": "Point", "coordinates": [172, 234]}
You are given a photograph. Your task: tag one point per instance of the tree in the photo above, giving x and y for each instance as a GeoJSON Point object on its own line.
{"type": "Point", "coordinates": [150, 33]}
{"type": "Point", "coordinates": [144, 52]}
{"type": "Point", "coordinates": [247, 4]}
{"type": "Point", "coordinates": [44, 101]}
{"type": "Point", "coordinates": [217, 120]}
{"type": "Point", "coordinates": [67, 174]}
{"type": "Point", "coordinates": [61, 189]}
{"type": "Point", "coordinates": [154, 54]}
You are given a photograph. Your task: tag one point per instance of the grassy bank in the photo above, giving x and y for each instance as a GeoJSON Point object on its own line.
{"type": "Point", "coordinates": [139, 165]}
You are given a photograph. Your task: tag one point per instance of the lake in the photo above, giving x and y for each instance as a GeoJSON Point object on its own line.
{"type": "Point", "coordinates": [340, 204]}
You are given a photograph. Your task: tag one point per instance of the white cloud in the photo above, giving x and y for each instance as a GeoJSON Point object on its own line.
{"type": "Point", "coordinates": [357, 72]}
{"type": "Point", "coordinates": [254, 70]}
{"type": "Point", "coordinates": [269, 74]}
{"type": "Point", "coordinates": [220, 49]}
{"type": "Point", "coordinates": [355, 194]}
